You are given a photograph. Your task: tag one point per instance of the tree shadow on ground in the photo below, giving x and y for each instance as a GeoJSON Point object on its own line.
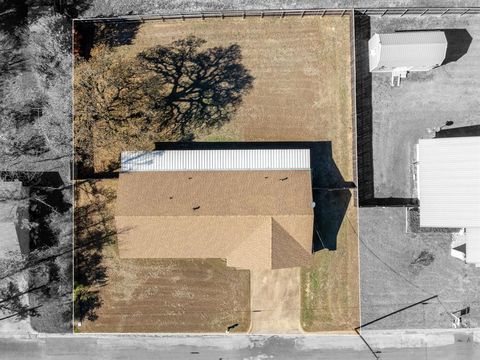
{"type": "Point", "coordinates": [194, 88]}
{"type": "Point", "coordinates": [43, 232]}
{"type": "Point", "coordinates": [180, 90]}
{"type": "Point", "coordinates": [13, 15]}
{"type": "Point", "coordinates": [331, 193]}
{"type": "Point", "coordinates": [12, 304]}
{"type": "Point", "coordinates": [88, 34]}
{"type": "Point", "coordinates": [71, 9]}
{"type": "Point", "coordinates": [94, 230]}
{"type": "Point", "coordinates": [45, 197]}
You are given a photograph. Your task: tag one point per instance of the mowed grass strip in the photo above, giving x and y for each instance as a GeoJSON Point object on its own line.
{"type": "Point", "coordinates": [164, 295]}
{"type": "Point", "coordinates": [330, 288]}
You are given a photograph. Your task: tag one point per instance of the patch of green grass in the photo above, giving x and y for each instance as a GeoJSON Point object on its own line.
{"type": "Point", "coordinates": [219, 138]}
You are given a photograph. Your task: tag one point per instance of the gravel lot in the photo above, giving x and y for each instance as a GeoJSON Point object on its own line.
{"type": "Point", "coordinates": [399, 269]}
{"type": "Point", "coordinates": [402, 115]}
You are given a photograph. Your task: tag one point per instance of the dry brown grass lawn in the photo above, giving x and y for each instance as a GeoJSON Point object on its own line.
{"type": "Point", "coordinates": [301, 69]}
{"type": "Point", "coordinates": [161, 295]}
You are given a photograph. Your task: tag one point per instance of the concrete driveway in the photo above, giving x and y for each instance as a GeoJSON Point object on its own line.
{"type": "Point", "coordinates": [275, 301]}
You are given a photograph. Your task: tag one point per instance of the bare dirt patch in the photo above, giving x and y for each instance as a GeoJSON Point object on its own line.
{"type": "Point", "coordinates": [157, 295]}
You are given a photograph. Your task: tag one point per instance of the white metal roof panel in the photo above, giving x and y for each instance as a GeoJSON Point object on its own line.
{"type": "Point", "coordinates": [473, 245]}
{"type": "Point", "coordinates": [413, 49]}
{"type": "Point", "coordinates": [228, 160]}
{"type": "Point", "coordinates": [449, 182]}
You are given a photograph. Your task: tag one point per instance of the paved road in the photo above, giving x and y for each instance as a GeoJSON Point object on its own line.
{"type": "Point", "coordinates": [220, 347]}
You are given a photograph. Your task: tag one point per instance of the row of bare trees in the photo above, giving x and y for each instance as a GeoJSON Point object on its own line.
{"type": "Point", "coordinates": [35, 138]}
{"type": "Point", "coordinates": [35, 109]}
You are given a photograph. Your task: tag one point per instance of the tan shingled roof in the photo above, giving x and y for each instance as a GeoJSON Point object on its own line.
{"type": "Point", "coordinates": [273, 231]}
{"type": "Point", "coordinates": [175, 193]}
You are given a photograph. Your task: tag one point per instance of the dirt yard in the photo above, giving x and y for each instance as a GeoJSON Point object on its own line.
{"type": "Point", "coordinates": [154, 295]}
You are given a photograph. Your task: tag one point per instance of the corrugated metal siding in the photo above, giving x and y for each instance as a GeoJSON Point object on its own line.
{"type": "Point", "coordinates": [418, 50]}
{"type": "Point", "coordinates": [473, 245]}
{"type": "Point", "coordinates": [449, 182]}
{"type": "Point", "coordinates": [177, 160]}
{"type": "Point", "coordinates": [374, 52]}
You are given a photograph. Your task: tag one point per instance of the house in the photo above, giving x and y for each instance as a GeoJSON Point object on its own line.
{"type": "Point", "coordinates": [253, 208]}
{"type": "Point", "coordinates": [10, 215]}
{"type": "Point", "coordinates": [448, 180]}
{"type": "Point", "coordinates": [401, 52]}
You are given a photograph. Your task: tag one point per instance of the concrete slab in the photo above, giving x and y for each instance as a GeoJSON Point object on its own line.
{"type": "Point", "coordinates": [275, 301]}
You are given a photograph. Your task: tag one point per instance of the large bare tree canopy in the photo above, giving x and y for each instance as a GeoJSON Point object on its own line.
{"type": "Point", "coordinates": [170, 92]}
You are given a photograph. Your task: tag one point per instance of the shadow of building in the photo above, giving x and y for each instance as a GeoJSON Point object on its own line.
{"type": "Point", "coordinates": [473, 130]}
{"type": "Point", "coordinates": [458, 43]}
{"type": "Point", "coordinates": [363, 83]}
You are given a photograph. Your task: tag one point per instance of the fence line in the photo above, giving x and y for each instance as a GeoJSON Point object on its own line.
{"type": "Point", "coordinates": [398, 12]}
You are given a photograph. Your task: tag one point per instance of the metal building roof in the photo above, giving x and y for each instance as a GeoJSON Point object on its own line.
{"type": "Point", "coordinates": [209, 160]}
{"type": "Point", "coordinates": [449, 182]}
{"type": "Point", "coordinates": [472, 253]}
{"type": "Point", "coordinates": [413, 49]}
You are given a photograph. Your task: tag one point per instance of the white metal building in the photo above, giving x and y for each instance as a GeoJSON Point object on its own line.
{"type": "Point", "coordinates": [448, 175]}
{"type": "Point", "coordinates": [402, 52]}
{"type": "Point", "coordinates": [210, 160]}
